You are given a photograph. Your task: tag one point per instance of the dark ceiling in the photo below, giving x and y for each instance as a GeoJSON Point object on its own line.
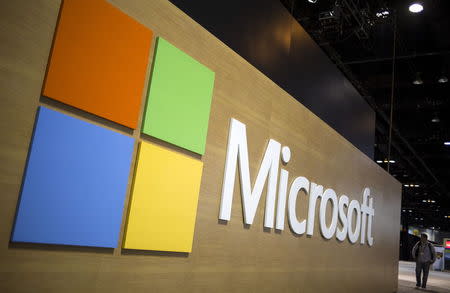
{"type": "Point", "coordinates": [361, 45]}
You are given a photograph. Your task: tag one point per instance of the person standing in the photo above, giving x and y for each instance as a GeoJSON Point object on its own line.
{"type": "Point", "coordinates": [424, 255]}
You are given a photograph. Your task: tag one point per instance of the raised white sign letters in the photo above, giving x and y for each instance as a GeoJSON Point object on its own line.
{"type": "Point", "coordinates": [343, 210]}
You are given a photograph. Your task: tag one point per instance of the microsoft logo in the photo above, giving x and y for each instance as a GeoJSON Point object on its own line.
{"type": "Point", "coordinates": [79, 170]}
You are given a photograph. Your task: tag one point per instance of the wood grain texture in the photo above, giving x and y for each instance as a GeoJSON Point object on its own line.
{"type": "Point", "coordinates": [225, 257]}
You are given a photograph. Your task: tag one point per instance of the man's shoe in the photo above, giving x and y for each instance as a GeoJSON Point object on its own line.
{"type": "Point", "coordinates": [424, 286]}
{"type": "Point", "coordinates": [418, 285]}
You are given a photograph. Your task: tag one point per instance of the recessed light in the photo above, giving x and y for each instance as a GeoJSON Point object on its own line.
{"type": "Point", "coordinates": [379, 161]}
{"type": "Point", "coordinates": [415, 7]}
{"type": "Point", "coordinates": [443, 79]}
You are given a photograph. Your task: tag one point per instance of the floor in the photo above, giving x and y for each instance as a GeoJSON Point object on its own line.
{"type": "Point", "coordinates": [438, 282]}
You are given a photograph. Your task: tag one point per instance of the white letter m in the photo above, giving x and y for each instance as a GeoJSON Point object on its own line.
{"type": "Point", "coordinates": [238, 151]}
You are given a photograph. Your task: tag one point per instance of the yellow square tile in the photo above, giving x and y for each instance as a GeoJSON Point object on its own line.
{"type": "Point", "coordinates": [164, 200]}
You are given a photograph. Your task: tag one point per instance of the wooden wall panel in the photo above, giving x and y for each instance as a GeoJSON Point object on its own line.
{"type": "Point", "coordinates": [225, 257]}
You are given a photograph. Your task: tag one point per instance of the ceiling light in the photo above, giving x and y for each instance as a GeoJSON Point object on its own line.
{"type": "Point", "coordinates": [379, 161]}
{"type": "Point", "coordinates": [406, 185]}
{"type": "Point", "coordinates": [312, 1]}
{"type": "Point", "coordinates": [443, 79]}
{"type": "Point", "coordinates": [415, 7]}
{"type": "Point", "coordinates": [433, 201]}
{"type": "Point", "coordinates": [417, 185]}
{"type": "Point", "coordinates": [382, 13]}
{"type": "Point", "coordinates": [410, 211]}
{"type": "Point", "coordinates": [447, 143]}
{"type": "Point", "coordinates": [424, 200]}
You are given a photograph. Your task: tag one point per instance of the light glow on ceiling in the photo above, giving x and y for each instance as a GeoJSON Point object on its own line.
{"type": "Point", "coordinates": [416, 8]}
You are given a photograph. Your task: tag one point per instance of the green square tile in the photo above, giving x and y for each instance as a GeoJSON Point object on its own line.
{"type": "Point", "coordinates": [179, 98]}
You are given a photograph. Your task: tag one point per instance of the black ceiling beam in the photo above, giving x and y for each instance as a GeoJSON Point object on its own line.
{"type": "Point", "coordinates": [400, 152]}
{"type": "Point", "coordinates": [409, 56]}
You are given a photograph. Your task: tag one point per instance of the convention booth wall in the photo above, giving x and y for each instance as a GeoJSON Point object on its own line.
{"type": "Point", "coordinates": [226, 255]}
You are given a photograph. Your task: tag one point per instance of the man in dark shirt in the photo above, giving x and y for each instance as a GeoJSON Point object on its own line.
{"type": "Point", "coordinates": [424, 255]}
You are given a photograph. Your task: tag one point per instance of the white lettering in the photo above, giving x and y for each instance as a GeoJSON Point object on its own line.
{"type": "Point", "coordinates": [343, 210]}
{"type": "Point", "coordinates": [281, 207]}
{"type": "Point", "coordinates": [300, 183]}
{"type": "Point", "coordinates": [316, 192]}
{"type": "Point", "coordinates": [328, 196]}
{"type": "Point", "coordinates": [341, 234]}
{"type": "Point", "coordinates": [369, 228]}
{"type": "Point", "coordinates": [353, 234]}
{"type": "Point", "coordinates": [238, 151]}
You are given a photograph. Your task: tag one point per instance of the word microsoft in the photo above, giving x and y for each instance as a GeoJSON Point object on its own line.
{"type": "Point", "coordinates": [343, 210]}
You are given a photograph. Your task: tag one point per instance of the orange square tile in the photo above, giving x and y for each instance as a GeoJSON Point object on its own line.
{"type": "Point", "coordinates": [99, 60]}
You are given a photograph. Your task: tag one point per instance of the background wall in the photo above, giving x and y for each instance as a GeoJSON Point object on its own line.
{"type": "Point", "coordinates": [225, 257]}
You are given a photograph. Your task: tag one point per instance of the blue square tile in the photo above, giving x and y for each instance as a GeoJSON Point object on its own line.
{"type": "Point", "coordinates": [75, 183]}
